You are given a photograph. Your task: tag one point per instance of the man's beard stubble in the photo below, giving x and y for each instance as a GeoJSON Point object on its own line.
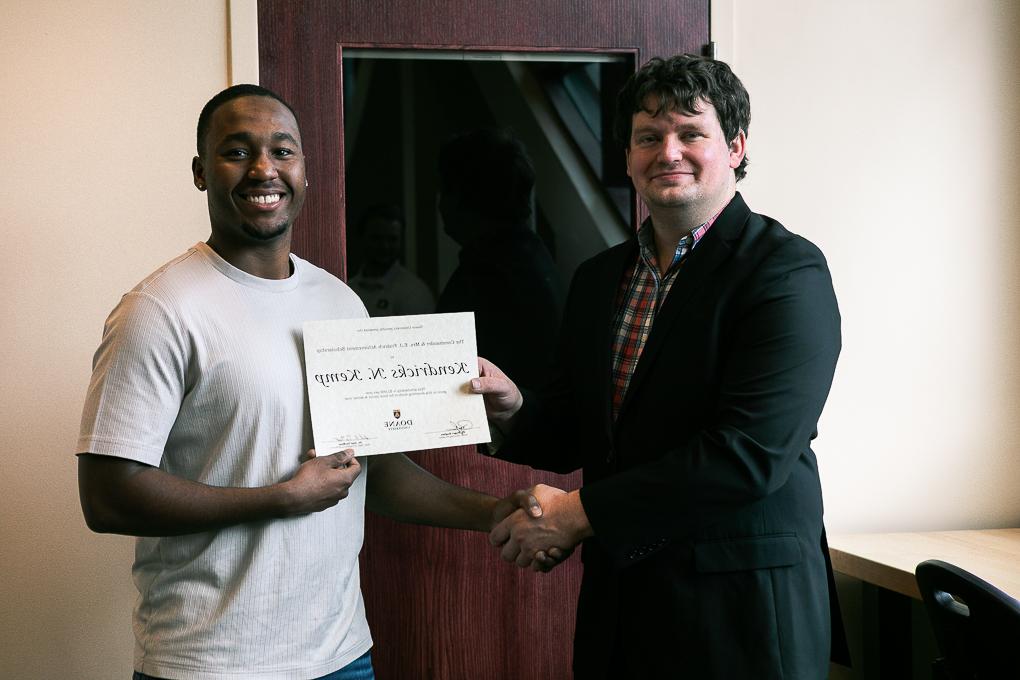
{"type": "Point", "coordinates": [275, 233]}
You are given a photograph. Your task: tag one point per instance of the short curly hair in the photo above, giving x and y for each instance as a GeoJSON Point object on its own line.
{"type": "Point", "coordinates": [681, 83]}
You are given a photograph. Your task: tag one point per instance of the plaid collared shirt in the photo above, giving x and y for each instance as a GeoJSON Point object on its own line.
{"type": "Point", "coordinates": [642, 291]}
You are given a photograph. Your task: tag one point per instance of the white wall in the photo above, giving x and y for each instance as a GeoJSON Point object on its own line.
{"type": "Point", "coordinates": [887, 132]}
{"type": "Point", "coordinates": [884, 131]}
{"type": "Point", "coordinates": [97, 125]}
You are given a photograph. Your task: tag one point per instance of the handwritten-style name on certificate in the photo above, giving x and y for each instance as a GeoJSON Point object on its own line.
{"type": "Point", "coordinates": [397, 372]}
{"type": "Point", "coordinates": [395, 383]}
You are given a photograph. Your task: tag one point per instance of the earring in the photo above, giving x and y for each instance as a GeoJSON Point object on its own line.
{"type": "Point", "coordinates": [201, 185]}
{"type": "Point", "coordinates": [306, 183]}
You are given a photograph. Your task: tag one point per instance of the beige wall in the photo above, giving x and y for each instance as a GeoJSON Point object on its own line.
{"type": "Point", "coordinates": [884, 131]}
{"type": "Point", "coordinates": [97, 122]}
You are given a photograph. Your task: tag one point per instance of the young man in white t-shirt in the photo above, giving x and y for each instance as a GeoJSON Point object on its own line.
{"type": "Point", "coordinates": [195, 436]}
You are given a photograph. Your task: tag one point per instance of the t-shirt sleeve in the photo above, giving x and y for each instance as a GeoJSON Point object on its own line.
{"type": "Point", "coordinates": [138, 382]}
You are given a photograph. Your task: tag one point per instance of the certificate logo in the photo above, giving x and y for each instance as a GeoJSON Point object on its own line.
{"type": "Point", "coordinates": [398, 423]}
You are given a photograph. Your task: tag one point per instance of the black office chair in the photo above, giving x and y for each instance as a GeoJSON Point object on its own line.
{"type": "Point", "coordinates": [977, 626]}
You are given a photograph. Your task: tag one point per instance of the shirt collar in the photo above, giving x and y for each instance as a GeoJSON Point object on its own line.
{"type": "Point", "coordinates": [646, 242]}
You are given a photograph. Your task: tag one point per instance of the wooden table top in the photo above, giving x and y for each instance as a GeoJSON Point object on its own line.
{"type": "Point", "coordinates": [889, 560]}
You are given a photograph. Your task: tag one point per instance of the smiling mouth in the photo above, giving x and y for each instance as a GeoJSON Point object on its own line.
{"type": "Point", "coordinates": [670, 176]}
{"type": "Point", "coordinates": [265, 200]}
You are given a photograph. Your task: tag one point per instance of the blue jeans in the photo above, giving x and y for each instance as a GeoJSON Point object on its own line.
{"type": "Point", "coordinates": [359, 669]}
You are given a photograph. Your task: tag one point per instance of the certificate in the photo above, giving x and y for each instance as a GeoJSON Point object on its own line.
{"type": "Point", "coordinates": [397, 383]}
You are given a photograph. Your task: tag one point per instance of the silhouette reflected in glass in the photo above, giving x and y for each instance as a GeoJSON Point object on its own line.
{"type": "Point", "coordinates": [505, 274]}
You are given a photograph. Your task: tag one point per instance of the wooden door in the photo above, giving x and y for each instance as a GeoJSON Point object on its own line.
{"type": "Point", "coordinates": [440, 603]}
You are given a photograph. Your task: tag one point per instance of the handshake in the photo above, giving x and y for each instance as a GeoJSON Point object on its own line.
{"type": "Point", "coordinates": [538, 527]}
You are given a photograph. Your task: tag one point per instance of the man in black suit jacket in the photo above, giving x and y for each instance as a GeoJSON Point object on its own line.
{"type": "Point", "coordinates": [693, 364]}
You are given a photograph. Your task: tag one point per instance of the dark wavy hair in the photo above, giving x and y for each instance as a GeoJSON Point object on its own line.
{"type": "Point", "coordinates": [231, 93]}
{"type": "Point", "coordinates": [681, 83]}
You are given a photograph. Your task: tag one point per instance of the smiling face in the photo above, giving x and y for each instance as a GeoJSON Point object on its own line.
{"type": "Point", "coordinates": [253, 168]}
{"type": "Point", "coordinates": [680, 161]}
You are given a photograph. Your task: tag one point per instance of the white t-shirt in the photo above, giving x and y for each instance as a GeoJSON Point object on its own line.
{"type": "Point", "coordinates": [396, 292]}
{"type": "Point", "coordinates": [200, 372]}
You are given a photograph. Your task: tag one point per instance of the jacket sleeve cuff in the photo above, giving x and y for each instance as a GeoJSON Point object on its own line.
{"type": "Point", "coordinates": [625, 545]}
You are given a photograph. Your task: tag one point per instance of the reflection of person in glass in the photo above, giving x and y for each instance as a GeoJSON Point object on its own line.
{"type": "Point", "coordinates": [506, 276]}
{"type": "Point", "coordinates": [385, 286]}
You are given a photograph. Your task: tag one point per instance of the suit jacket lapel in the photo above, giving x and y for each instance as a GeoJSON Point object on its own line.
{"type": "Point", "coordinates": [691, 280]}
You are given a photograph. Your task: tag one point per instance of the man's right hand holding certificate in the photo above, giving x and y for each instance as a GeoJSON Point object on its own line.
{"type": "Point", "coordinates": [541, 541]}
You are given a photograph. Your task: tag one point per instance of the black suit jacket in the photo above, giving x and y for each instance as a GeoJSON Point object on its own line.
{"type": "Point", "coordinates": [707, 559]}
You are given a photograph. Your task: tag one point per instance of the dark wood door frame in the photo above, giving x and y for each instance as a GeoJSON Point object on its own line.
{"type": "Point", "coordinates": [448, 607]}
